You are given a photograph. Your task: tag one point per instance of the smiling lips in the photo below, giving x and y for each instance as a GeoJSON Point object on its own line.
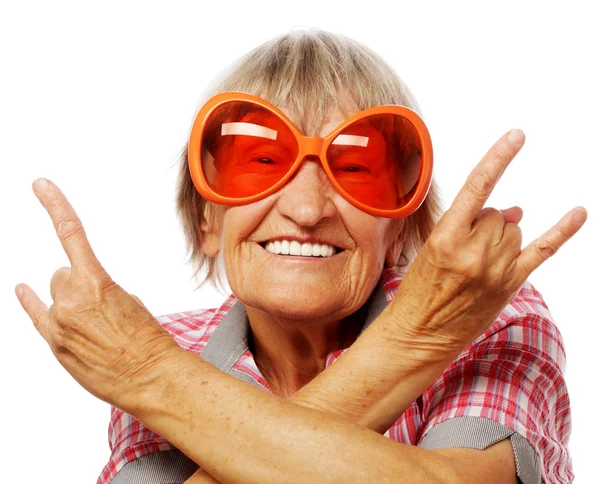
{"type": "Point", "coordinates": [293, 247]}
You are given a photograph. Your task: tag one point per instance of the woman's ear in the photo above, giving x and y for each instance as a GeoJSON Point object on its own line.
{"type": "Point", "coordinates": [210, 238]}
{"type": "Point", "coordinates": [395, 249]}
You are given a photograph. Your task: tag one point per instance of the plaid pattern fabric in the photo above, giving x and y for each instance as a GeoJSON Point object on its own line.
{"type": "Point", "coordinates": [512, 374]}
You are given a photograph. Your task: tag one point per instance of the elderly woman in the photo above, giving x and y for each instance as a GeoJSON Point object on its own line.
{"type": "Point", "coordinates": [308, 178]}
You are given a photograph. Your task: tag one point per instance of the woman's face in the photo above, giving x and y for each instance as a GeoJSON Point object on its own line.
{"type": "Point", "coordinates": [308, 207]}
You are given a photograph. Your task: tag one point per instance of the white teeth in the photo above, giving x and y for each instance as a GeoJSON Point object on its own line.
{"type": "Point", "coordinates": [293, 247]}
{"type": "Point", "coordinates": [306, 249]}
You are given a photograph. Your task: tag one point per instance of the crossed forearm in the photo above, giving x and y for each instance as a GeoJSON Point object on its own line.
{"type": "Point", "coordinates": [239, 433]}
{"type": "Point", "coordinates": [375, 381]}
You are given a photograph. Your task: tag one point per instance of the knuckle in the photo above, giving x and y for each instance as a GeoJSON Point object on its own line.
{"type": "Point", "coordinates": [488, 210]}
{"type": "Point", "coordinates": [443, 241]}
{"type": "Point", "coordinates": [38, 316]}
{"type": "Point", "coordinates": [497, 215]}
{"type": "Point", "coordinates": [546, 249]}
{"type": "Point", "coordinates": [489, 225]}
{"type": "Point", "coordinates": [513, 232]}
{"type": "Point", "coordinates": [481, 184]}
{"type": "Point", "coordinates": [563, 234]}
{"type": "Point", "coordinates": [55, 330]}
{"type": "Point", "coordinates": [495, 278]}
{"type": "Point", "coordinates": [63, 311]}
{"type": "Point", "coordinates": [496, 155]}
{"type": "Point", "coordinates": [470, 265]}
{"type": "Point", "coordinates": [53, 204]}
{"type": "Point", "coordinates": [57, 335]}
{"type": "Point", "coordinates": [68, 228]}
{"type": "Point", "coordinates": [99, 285]}
{"type": "Point", "coordinates": [58, 273]}
{"type": "Point", "coordinates": [491, 213]}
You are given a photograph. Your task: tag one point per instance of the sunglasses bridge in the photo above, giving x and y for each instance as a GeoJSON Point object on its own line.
{"type": "Point", "coordinates": [312, 149]}
{"type": "Point", "coordinates": [313, 146]}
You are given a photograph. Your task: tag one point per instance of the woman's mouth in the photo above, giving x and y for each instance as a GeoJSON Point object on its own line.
{"type": "Point", "coordinates": [295, 248]}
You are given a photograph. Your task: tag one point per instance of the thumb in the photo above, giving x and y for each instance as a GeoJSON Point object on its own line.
{"type": "Point", "coordinates": [513, 214]}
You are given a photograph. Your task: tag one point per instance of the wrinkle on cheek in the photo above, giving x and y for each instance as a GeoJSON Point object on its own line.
{"type": "Point", "coordinates": [248, 274]}
{"type": "Point", "coordinates": [261, 273]}
{"type": "Point", "coordinates": [349, 288]}
{"type": "Point", "coordinates": [358, 280]}
{"type": "Point", "coordinates": [367, 260]}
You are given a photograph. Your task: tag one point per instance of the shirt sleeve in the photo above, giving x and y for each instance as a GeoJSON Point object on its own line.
{"type": "Point", "coordinates": [508, 384]}
{"type": "Point", "coordinates": [129, 440]}
{"type": "Point", "coordinates": [481, 433]}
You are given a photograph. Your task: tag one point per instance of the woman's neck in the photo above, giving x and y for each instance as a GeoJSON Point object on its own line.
{"type": "Point", "coordinates": [290, 353]}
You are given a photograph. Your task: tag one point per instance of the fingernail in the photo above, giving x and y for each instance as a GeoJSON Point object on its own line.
{"type": "Point", "coordinates": [40, 184]}
{"type": "Point", "coordinates": [516, 137]}
{"type": "Point", "coordinates": [19, 291]}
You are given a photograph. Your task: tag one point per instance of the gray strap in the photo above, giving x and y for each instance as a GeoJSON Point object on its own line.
{"type": "Point", "coordinates": [480, 433]}
{"type": "Point", "coordinates": [164, 467]}
{"type": "Point", "coordinates": [229, 340]}
{"type": "Point", "coordinates": [529, 467]}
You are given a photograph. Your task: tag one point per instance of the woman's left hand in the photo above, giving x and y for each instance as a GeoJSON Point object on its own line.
{"type": "Point", "coordinates": [107, 340]}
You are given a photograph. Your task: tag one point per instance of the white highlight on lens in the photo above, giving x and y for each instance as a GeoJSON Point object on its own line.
{"type": "Point", "coordinates": [248, 129]}
{"type": "Point", "coordinates": [351, 139]}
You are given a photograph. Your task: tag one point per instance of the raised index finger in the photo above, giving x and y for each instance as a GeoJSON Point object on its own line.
{"type": "Point", "coordinates": [482, 180]}
{"type": "Point", "coordinates": [68, 226]}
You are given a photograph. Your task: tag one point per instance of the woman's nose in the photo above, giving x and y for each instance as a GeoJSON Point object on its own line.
{"type": "Point", "coordinates": [307, 197]}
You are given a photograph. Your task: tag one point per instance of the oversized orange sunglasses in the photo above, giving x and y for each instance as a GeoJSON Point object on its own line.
{"type": "Point", "coordinates": [243, 149]}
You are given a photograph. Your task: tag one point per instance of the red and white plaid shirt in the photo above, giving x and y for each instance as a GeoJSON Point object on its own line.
{"type": "Point", "coordinates": [511, 375]}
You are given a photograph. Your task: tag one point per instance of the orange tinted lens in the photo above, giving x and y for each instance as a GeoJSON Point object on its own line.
{"type": "Point", "coordinates": [245, 149]}
{"type": "Point", "coordinates": [378, 160]}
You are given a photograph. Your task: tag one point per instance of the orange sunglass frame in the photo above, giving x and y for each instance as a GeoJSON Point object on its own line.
{"type": "Point", "coordinates": [309, 146]}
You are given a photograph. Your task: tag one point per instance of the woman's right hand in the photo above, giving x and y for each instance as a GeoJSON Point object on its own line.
{"type": "Point", "coordinates": [466, 273]}
{"type": "Point", "coordinates": [472, 264]}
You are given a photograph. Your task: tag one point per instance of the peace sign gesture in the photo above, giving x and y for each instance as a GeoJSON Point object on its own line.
{"type": "Point", "coordinates": [472, 263]}
{"type": "Point", "coordinates": [103, 336]}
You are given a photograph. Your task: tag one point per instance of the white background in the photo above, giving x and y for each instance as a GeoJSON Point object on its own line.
{"type": "Point", "coordinates": [99, 98]}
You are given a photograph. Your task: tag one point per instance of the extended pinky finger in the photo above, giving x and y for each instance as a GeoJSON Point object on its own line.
{"type": "Point", "coordinates": [35, 308]}
{"type": "Point", "coordinates": [544, 247]}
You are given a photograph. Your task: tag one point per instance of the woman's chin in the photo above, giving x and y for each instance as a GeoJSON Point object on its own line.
{"type": "Point", "coordinates": [292, 286]}
{"type": "Point", "coordinates": [293, 301]}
